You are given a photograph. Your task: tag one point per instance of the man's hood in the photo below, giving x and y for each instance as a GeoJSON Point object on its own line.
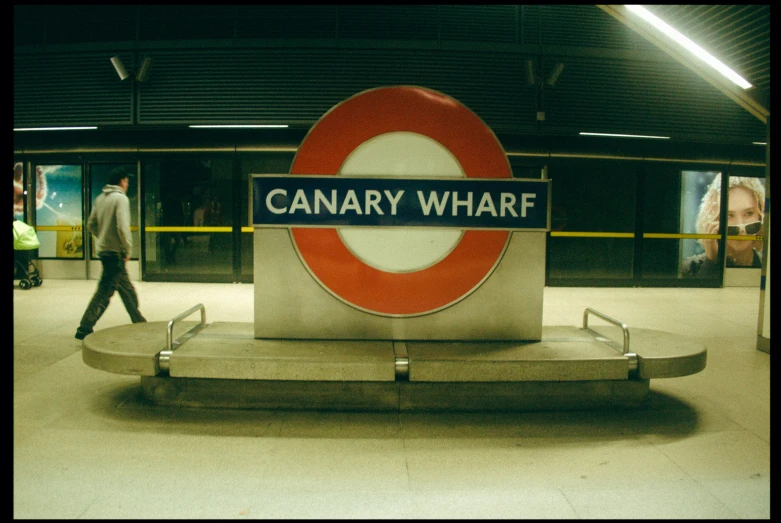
{"type": "Point", "coordinates": [108, 188]}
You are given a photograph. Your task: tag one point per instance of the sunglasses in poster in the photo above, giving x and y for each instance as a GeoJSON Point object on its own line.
{"type": "Point", "coordinates": [749, 228]}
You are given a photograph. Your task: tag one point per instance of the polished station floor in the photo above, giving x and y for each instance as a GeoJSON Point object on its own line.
{"type": "Point", "coordinates": [87, 445]}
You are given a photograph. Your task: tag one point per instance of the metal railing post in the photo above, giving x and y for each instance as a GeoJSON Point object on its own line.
{"type": "Point", "coordinates": [164, 357]}
{"type": "Point", "coordinates": [633, 364]}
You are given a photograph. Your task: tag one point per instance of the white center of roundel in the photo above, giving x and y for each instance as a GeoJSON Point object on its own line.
{"type": "Point", "coordinates": [401, 249]}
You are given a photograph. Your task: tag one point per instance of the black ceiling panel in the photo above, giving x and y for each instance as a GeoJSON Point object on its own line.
{"type": "Point", "coordinates": [291, 63]}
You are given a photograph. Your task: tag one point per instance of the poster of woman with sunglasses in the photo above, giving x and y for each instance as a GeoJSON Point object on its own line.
{"type": "Point", "coordinates": [745, 214]}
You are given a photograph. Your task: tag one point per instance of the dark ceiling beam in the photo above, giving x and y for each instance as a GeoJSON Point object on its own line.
{"type": "Point", "coordinates": [743, 98]}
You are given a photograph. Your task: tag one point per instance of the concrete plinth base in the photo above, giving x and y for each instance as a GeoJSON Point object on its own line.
{"type": "Point", "coordinates": [522, 395]}
{"type": "Point", "coordinates": [271, 394]}
{"type": "Point", "coordinates": [394, 396]}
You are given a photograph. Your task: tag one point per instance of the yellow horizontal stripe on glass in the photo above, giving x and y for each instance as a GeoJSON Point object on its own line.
{"type": "Point", "coordinates": [68, 228]}
{"type": "Point", "coordinates": [593, 234]}
{"type": "Point", "coordinates": [58, 228]}
{"type": "Point", "coordinates": [187, 229]}
{"type": "Point", "coordinates": [677, 236]}
{"type": "Point", "coordinates": [652, 235]}
{"type": "Point", "coordinates": [699, 236]}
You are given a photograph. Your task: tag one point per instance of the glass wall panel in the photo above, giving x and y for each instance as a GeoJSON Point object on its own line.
{"type": "Point", "coordinates": [592, 222]}
{"type": "Point", "coordinates": [673, 247]}
{"type": "Point", "coordinates": [188, 225]}
{"type": "Point", "coordinates": [590, 258]}
{"type": "Point", "coordinates": [681, 223]}
{"type": "Point", "coordinates": [660, 261]}
{"type": "Point", "coordinates": [99, 173]}
{"type": "Point", "coordinates": [660, 256]}
{"type": "Point", "coordinates": [259, 163]}
{"type": "Point", "coordinates": [58, 212]}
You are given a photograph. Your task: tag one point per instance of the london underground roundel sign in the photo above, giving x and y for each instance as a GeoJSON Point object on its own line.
{"type": "Point", "coordinates": [402, 131]}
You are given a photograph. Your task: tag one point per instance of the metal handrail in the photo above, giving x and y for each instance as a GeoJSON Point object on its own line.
{"type": "Point", "coordinates": [170, 333]}
{"type": "Point", "coordinates": [610, 320]}
{"type": "Point", "coordinates": [164, 357]}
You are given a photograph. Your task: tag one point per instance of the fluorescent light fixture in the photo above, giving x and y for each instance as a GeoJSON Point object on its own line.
{"type": "Point", "coordinates": [53, 128]}
{"type": "Point", "coordinates": [626, 135]}
{"type": "Point", "coordinates": [531, 78]}
{"type": "Point", "coordinates": [759, 143]}
{"type": "Point", "coordinates": [690, 46]}
{"type": "Point", "coordinates": [143, 70]}
{"type": "Point", "coordinates": [264, 126]}
{"type": "Point", "coordinates": [119, 67]}
{"type": "Point", "coordinates": [554, 74]}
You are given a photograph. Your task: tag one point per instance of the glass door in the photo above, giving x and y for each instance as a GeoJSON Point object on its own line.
{"type": "Point", "coordinates": [592, 238]}
{"type": "Point", "coordinates": [189, 219]}
{"type": "Point", "coordinates": [684, 230]}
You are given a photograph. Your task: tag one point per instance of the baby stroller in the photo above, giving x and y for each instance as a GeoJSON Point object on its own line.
{"type": "Point", "coordinates": [25, 250]}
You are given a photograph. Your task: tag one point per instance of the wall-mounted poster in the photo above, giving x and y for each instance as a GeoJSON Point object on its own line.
{"type": "Point", "coordinates": [745, 221]}
{"type": "Point", "coordinates": [58, 213]}
{"type": "Point", "coordinates": [700, 213]}
{"type": "Point", "coordinates": [19, 192]}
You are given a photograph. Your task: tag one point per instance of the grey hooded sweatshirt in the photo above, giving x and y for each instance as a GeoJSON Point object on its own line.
{"type": "Point", "coordinates": [110, 221]}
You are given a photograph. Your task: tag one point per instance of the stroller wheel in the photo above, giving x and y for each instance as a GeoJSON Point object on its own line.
{"type": "Point", "coordinates": [37, 281]}
{"type": "Point", "coordinates": [25, 284]}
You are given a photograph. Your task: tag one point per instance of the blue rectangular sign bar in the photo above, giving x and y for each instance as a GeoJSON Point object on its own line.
{"type": "Point", "coordinates": [344, 201]}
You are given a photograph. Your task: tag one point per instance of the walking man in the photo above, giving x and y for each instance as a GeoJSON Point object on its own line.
{"type": "Point", "coordinates": [109, 221]}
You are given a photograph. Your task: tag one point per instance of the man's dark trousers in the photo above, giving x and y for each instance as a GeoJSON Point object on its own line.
{"type": "Point", "coordinates": [114, 278]}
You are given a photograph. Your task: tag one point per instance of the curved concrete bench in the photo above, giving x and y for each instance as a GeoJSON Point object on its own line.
{"type": "Point", "coordinates": [222, 364]}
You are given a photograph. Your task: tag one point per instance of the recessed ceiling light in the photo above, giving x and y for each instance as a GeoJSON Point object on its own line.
{"type": "Point", "coordinates": [239, 126]}
{"type": "Point", "coordinates": [626, 135]}
{"type": "Point", "coordinates": [53, 128]}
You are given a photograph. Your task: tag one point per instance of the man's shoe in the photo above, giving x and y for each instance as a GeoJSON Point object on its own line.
{"type": "Point", "coordinates": [80, 335]}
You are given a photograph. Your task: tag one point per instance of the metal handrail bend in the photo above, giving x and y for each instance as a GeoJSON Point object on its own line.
{"type": "Point", "coordinates": [170, 333]}
{"type": "Point", "coordinates": [610, 320]}
{"type": "Point", "coordinates": [164, 359]}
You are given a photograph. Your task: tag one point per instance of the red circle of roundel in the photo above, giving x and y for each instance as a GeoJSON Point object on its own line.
{"type": "Point", "coordinates": [396, 109]}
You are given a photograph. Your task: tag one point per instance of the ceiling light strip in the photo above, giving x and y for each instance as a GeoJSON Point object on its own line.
{"type": "Point", "coordinates": [626, 135]}
{"type": "Point", "coordinates": [259, 126]}
{"type": "Point", "coordinates": [689, 45]}
{"type": "Point", "coordinates": [54, 128]}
